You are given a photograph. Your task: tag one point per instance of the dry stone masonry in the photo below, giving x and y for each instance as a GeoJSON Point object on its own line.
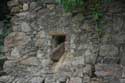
{"type": "Point", "coordinates": [47, 45]}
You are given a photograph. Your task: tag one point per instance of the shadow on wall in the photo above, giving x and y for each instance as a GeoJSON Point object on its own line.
{"type": "Point", "coordinates": [3, 9]}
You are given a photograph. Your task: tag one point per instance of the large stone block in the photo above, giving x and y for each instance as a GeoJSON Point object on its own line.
{"type": "Point", "coordinates": [30, 61]}
{"type": "Point", "coordinates": [108, 70]}
{"type": "Point", "coordinates": [108, 50]}
{"type": "Point", "coordinates": [16, 39]}
{"type": "Point", "coordinates": [12, 3]}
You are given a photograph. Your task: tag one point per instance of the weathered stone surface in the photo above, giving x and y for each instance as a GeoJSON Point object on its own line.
{"type": "Point", "coordinates": [16, 39]}
{"type": "Point", "coordinates": [108, 50]}
{"type": "Point", "coordinates": [9, 66]}
{"type": "Point", "coordinates": [16, 9]}
{"type": "Point", "coordinates": [30, 44]}
{"type": "Point", "coordinates": [30, 61]}
{"type": "Point", "coordinates": [122, 80]}
{"type": "Point", "coordinates": [25, 6]}
{"type": "Point", "coordinates": [36, 80]}
{"type": "Point", "coordinates": [75, 80]}
{"type": "Point", "coordinates": [25, 27]}
{"type": "Point", "coordinates": [12, 3]}
{"type": "Point", "coordinates": [51, 6]}
{"type": "Point", "coordinates": [119, 38]}
{"type": "Point", "coordinates": [105, 70]}
{"type": "Point", "coordinates": [15, 53]}
{"type": "Point", "coordinates": [6, 79]}
{"type": "Point", "coordinates": [33, 5]}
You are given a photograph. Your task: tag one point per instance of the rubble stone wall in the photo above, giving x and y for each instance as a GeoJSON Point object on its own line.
{"type": "Point", "coordinates": [88, 58]}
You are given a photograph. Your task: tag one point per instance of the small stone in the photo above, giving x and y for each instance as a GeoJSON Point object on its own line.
{"type": "Point", "coordinates": [15, 53]}
{"type": "Point", "coordinates": [25, 27]}
{"type": "Point", "coordinates": [25, 7]}
{"type": "Point", "coordinates": [51, 6]}
{"type": "Point", "coordinates": [33, 5]}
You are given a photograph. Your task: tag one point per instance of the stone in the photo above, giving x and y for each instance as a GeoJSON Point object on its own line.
{"type": "Point", "coordinates": [122, 60]}
{"type": "Point", "coordinates": [36, 80]}
{"type": "Point", "coordinates": [108, 50]}
{"type": "Point", "coordinates": [9, 66]}
{"type": "Point", "coordinates": [87, 70]}
{"type": "Point", "coordinates": [122, 80]}
{"type": "Point", "coordinates": [29, 45]}
{"type": "Point", "coordinates": [78, 61]}
{"type": "Point", "coordinates": [41, 35]}
{"type": "Point", "coordinates": [40, 54]}
{"type": "Point", "coordinates": [12, 3]}
{"type": "Point", "coordinates": [6, 79]}
{"type": "Point", "coordinates": [16, 39]}
{"type": "Point", "coordinates": [75, 80]}
{"type": "Point", "coordinates": [25, 27]}
{"type": "Point", "coordinates": [15, 9]}
{"type": "Point", "coordinates": [33, 5]}
{"type": "Point", "coordinates": [40, 39]}
{"type": "Point", "coordinates": [108, 70]}
{"type": "Point", "coordinates": [118, 38]}
{"type": "Point", "coordinates": [51, 6]}
{"type": "Point", "coordinates": [30, 61]}
{"type": "Point", "coordinates": [15, 53]}
{"type": "Point", "coordinates": [25, 6]}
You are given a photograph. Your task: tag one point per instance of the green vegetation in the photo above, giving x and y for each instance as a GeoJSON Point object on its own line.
{"type": "Point", "coordinates": [93, 6]}
{"type": "Point", "coordinates": [5, 32]}
{"type": "Point", "coordinates": [70, 5]}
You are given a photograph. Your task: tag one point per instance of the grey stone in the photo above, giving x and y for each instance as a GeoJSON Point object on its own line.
{"type": "Point", "coordinates": [12, 3]}
{"type": "Point", "coordinates": [108, 70]}
{"type": "Point", "coordinates": [33, 5]}
{"type": "Point", "coordinates": [16, 9]}
{"type": "Point", "coordinates": [36, 80]}
{"type": "Point", "coordinates": [6, 79]}
{"type": "Point", "coordinates": [123, 60]}
{"type": "Point", "coordinates": [75, 80]}
{"type": "Point", "coordinates": [108, 50]}
{"type": "Point", "coordinates": [25, 27]}
{"type": "Point", "coordinates": [29, 45]}
{"type": "Point", "coordinates": [122, 80]}
{"type": "Point", "coordinates": [15, 53]}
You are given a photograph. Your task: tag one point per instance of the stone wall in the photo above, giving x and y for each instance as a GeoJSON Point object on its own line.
{"type": "Point", "coordinates": [88, 58]}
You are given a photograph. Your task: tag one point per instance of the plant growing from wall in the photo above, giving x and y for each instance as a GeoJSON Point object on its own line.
{"type": "Point", "coordinates": [70, 5]}
{"type": "Point", "coordinates": [96, 13]}
{"type": "Point", "coordinates": [6, 30]}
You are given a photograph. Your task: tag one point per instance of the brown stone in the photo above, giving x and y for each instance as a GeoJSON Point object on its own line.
{"type": "Point", "coordinates": [16, 39]}
{"type": "Point", "coordinates": [30, 61]}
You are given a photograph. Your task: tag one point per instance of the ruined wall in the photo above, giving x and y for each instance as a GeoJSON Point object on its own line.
{"type": "Point", "coordinates": [28, 47]}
